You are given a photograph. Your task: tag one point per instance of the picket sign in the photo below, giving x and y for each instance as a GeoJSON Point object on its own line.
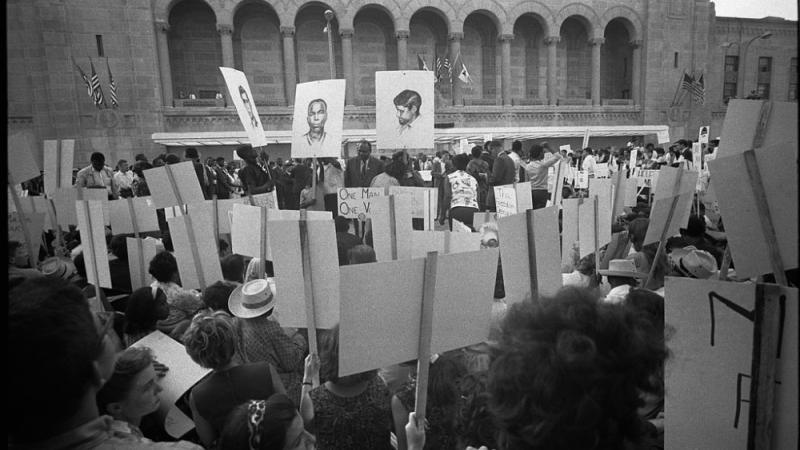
{"type": "Point", "coordinates": [425, 336]}
{"type": "Point", "coordinates": [557, 195]}
{"type": "Point", "coordinates": [513, 198]}
{"type": "Point", "coordinates": [22, 167]}
{"type": "Point", "coordinates": [93, 241]}
{"type": "Point", "coordinates": [305, 250]}
{"type": "Point", "coordinates": [665, 231]}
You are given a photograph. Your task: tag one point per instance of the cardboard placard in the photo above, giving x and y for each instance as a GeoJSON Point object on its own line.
{"type": "Point", "coordinates": [378, 331]}
{"type": "Point", "coordinates": [460, 242]}
{"type": "Point", "coordinates": [566, 148]}
{"type": "Point", "coordinates": [185, 374]}
{"type": "Point", "coordinates": [697, 157]}
{"type": "Point", "coordinates": [391, 229]}
{"type": "Point", "coordinates": [601, 170]}
{"type": "Point", "coordinates": [34, 204]}
{"type": "Point", "coordinates": [267, 199]}
{"type": "Point", "coordinates": [318, 118]}
{"type": "Point", "coordinates": [58, 161]}
{"type": "Point", "coordinates": [702, 135]}
{"type": "Point", "coordinates": [427, 175]}
{"type": "Point", "coordinates": [557, 191]}
{"type": "Point", "coordinates": [289, 282]}
{"type": "Point", "coordinates": [460, 227]}
{"type": "Point", "coordinates": [737, 204]}
{"type": "Point", "coordinates": [224, 211]}
{"type": "Point", "coordinates": [404, 109]}
{"type": "Point", "coordinates": [603, 190]}
{"type": "Point", "coordinates": [581, 179]}
{"type": "Point", "coordinates": [242, 98]}
{"type": "Point", "coordinates": [34, 223]}
{"type": "Point", "coordinates": [356, 203]}
{"type": "Point", "coordinates": [22, 165]}
{"type": "Point", "coordinates": [139, 260]}
{"type": "Point", "coordinates": [662, 136]}
{"type": "Point", "coordinates": [647, 178]}
{"type": "Point", "coordinates": [659, 211]}
{"type": "Point", "coordinates": [631, 191]}
{"type": "Point", "coordinates": [585, 142]}
{"type": "Point", "coordinates": [634, 157]}
{"type": "Point", "coordinates": [424, 202]}
{"type": "Point", "coordinates": [93, 242]}
{"type": "Point", "coordinates": [247, 231]}
{"type": "Point", "coordinates": [586, 227]}
{"type": "Point", "coordinates": [179, 187]}
{"type": "Point", "coordinates": [198, 258]}
{"type": "Point", "coordinates": [569, 225]}
{"type": "Point", "coordinates": [709, 372]}
{"type": "Point", "coordinates": [423, 242]}
{"type": "Point", "coordinates": [513, 237]}
{"type": "Point", "coordinates": [121, 217]}
{"type": "Point", "coordinates": [513, 198]}
{"type": "Point", "coordinates": [100, 195]}
{"type": "Point", "coordinates": [743, 118]}
{"type": "Point", "coordinates": [479, 218]}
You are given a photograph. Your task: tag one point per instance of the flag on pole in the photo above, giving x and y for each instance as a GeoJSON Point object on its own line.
{"type": "Point", "coordinates": [443, 69]}
{"type": "Point", "coordinates": [84, 77]}
{"type": "Point", "coordinates": [698, 90]}
{"type": "Point", "coordinates": [687, 82]}
{"type": "Point", "coordinates": [97, 90]}
{"type": "Point", "coordinates": [112, 87]}
{"type": "Point", "coordinates": [421, 63]}
{"type": "Point", "coordinates": [463, 74]}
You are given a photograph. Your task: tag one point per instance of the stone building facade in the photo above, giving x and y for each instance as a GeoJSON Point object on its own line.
{"type": "Point", "coordinates": [556, 63]}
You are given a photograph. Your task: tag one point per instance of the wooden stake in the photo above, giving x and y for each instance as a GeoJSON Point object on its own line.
{"type": "Point", "coordinates": [764, 216]}
{"type": "Point", "coordinates": [764, 366]}
{"type": "Point", "coordinates": [726, 263]}
{"type": "Point", "coordinates": [263, 250]}
{"type": "Point", "coordinates": [425, 333]}
{"type": "Point", "coordinates": [533, 272]}
{"type": "Point", "coordinates": [135, 223]}
{"type": "Point", "coordinates": [393, 226]}
{"type": "Point", "coordinates": [311, 321]}
{"type": "Point", "coordinates": [596, 237]}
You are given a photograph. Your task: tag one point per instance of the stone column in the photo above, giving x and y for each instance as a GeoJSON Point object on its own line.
{"type": "Point", "coordinates": [596, 44]}
{"type": "Point", "coordinates": [455, 54]}
{"type": "Point", "coordinates": [552, 82]}
{"type": "Point", "coordinates": [636, 69]}
{"type": "Point", "coordinates": [226, 39]}
{"type": "Point", "coordinates": [402, 49]}
{"type": "Point", "coordinates": [347, 65]}
{"type": "Point", "coordinates": [289, 72]}
{"type": "Point", "coordinates": [505, 49]}
{"type": "Point", "coordinates": [162, 32]}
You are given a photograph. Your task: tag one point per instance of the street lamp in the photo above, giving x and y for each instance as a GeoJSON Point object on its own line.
{"type": "Point", "coordinates": [764, 35]}
{"type": "Point", "coordinates": [328, 17]}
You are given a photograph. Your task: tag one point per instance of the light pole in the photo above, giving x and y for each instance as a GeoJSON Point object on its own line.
{"type": "Point", "coordinates": [328, 17]}
{"type": "Point", "coordinates": [743, 55]}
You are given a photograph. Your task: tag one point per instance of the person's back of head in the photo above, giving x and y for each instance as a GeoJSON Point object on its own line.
{"type": "Point", "coordinates": [119, 246]}
{"type": "Point", "coordinates": [586, 364]}
{"type": "Point", "coordinates": [516, 147]}
{"type": "Point", "coordinates": [172, 159]}
{"type": "Point", "coordinates": [191, 154]}
{"type": "Point", "coordinates": [163, 267]}
{"type": "Point", "coordinates": [121, 397]}
{"type": "Point", "coordinates": [537, 152]}
{"type": "Point", "coordinates": [637, 230]}
{"type": "Point", "coordinates": [476, 151]}
{"type": "Point", "coordinates": [361, 254]}
{"type": "Point", "coordinates": [262, 425]}
{"type": "Point", "coordinates": [60, 358]}
{"type": "Point", "coordinates": [144, 308]}
{"type": "Point", "coordinates": [460, 161]}
{"type": "Point", "coordinates": [342, 224]}
{"type": "Point", "coordinates": [329, 361]}
{"type": "Point", "coordinates": [233, 267]}
{"type": "Point", "coordinates": [212, 339]}
{"type": "Point", "coordinates": [216, 296]}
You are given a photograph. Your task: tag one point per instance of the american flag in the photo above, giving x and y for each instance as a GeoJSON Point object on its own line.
{"type": "Point", "coordinates": [112, 87]}
{"type": "Point", "coordinates": [698, 90]}
{"type": "Point", "coordinates": [688, 82]}
{"type": "Point", "coordinates": [84, 77]}
{"type": "Point", "coordinates": [443, 70]}
{"type": "Point", "coordinates": [97, 91]}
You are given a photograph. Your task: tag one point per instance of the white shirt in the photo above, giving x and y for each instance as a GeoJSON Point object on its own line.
{"type": "Point", "coordinates": [618, 294]}
{"type": "Point", "coordinates": [517, 161]}
{"type": "Point", "coordinates": [124, 179]}
{"type": "Point", "coordinates": [588, 165]}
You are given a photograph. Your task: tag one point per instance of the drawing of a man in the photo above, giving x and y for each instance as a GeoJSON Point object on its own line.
{"type": "Point", "coordinates": [317, 116]}
{"type": "Point", "coordinates": [407, 103]}
{"type": "Point", "coordinates": [248, 106]}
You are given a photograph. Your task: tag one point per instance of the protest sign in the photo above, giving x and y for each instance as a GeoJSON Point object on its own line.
{"type": "Point", "coordinates": [702, 135]}
{"type": "Point", "coordinates": [565, 148]}
{"type": "Point", "coordinates": [423, 242]}
{"type": "Point", "coordinates": [480, 218]}
{"type": "Point", "coordinates": [195, 250]}
{"type": "Point", "coordinates": [601, 170]}
{"type": "Point", "coordinates": [424, 202]}
{"type": "Point", "coordinates": [379, 331]}
{"type": "Point", "coordinates": [556, 193]}
{"type": "Point", "coordinates": [267, 199]}
{"type": "Point", "coordinates": [245, 103]}
{"type": "Point", "coordinates": [22, 165]}
{"type": "Point", "coordinates": [585, 142]}
{"type": "Point", "coordinates": [742, 210]}
{"type": "Point", "coordinates": [530, 246]}
{"type": "Point", "coordinates": [756, 123]}
{"type": "Point", "coordinates": [588, 225]}
{"type": "Point", "coordinates": [426, 175]}
{"type": "Point", "coordinates": [710, 370]}
{"type": "Point", "coordinates": [34, 204]}
{"type": "Point", "coordinates": [28, 231]}
{"type": "Point", "coordinates": [129, 215]}
{"type": "Point", "coordinates": [93, 242]}
{"type": "Point", "coordinates": [662, 136]}
{"type": "Point", "coordinates": [513, 198]}
{"type": "Point", "coordinates": [603, 190]}
{"type": "Point", "coordinates": [459, 242]}
{"type": "Point", "coordinates": [174, 184]}
{"type": "Point", "coordinates": [460, 227]}
{"type": "Point", "coordinates": [570, 231]}
{"type": "Point", "coordinates": [672, 203]}
{"type": "Point", "coordinates": [140, 253]}
{"type": "Point", "coordinates": [647, 178]}
{"type": "Point", "coordinates": [175, 382]}
{"type": "Point", "coordinates": [356, 203]}
{"type": "Point", "coordinates": [697, 157]}
{"type": "Point", "coordinates": [290, 288]}
{"type": "Point", "coordinates": [633, 159]}
{"type": "Point", "coordinates": [581, 179]}
{"type": "Point", "coordinates": [391, 227]}
{"type": "Point", "coordinates": [318, 118]}
{"type": "Point", "coordinates": [631, 191]}
{"type": "Point", "coordinates": [404, 110]}
{"type": "Point", "coordinates": [58, 162]}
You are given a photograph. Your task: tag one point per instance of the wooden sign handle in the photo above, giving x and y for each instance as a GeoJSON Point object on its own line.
{"type": "Point", "coordinates": [308, 285]}
{"type": "Point", "coordinates": [533, 272]}
{"type": "Point", "coordinates": [263, 249]}
{"type": "Point", "coordinates": [766, 329]}
{"type": "Point", "coordinates": [392, 226]}
{"type": "Point", "coordinates": [764, 217]}
{"type": "Point", "coordinates": [596, 243]}
{"type": "Point", "coordinates": [215, 219]}
{"type": "Point", "coordinates": [425, 334]}
{"type": "Point", "coordinates": [198, 264]}
{"type": "Point", "coordinates": [726, 264]}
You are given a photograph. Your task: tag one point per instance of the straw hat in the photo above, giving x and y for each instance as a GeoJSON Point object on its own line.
{"type": "Point", "coordinates": [252, 299]}
{"type": "Point", "coordinates": [622, 268]}
{"type": "Point", "coordinates": [58, 268]}
{"type": "Point", "coordinates": [693, 263]}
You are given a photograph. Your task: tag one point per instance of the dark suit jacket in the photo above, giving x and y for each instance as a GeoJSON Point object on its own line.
{"type": "Point", "coordinates": [352, 172]}
{"type": "Point", "coordinates": [502, 170]}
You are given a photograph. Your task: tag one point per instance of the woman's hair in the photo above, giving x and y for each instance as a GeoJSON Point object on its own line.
{"type": "Point", "coordinates": [142, 311]}
{"type": "Point", "coordinates": [140, 166]}
{"type": "Point", "coordinates": [637, 230]}
{"type": "Point", "coordinates": [216, 296]}
{"type": "Point", "coordinates": [329, 359]}
{"type": "Point", "coordinates": [258, 424]}
{"type": "Point", "coordinates": [460, 161]}
{"type": "Point", "coordinates": [163, 267]}
{"type": "Point", "coordinates": [537, 152]}
{"type": "Point", "coordinates": [476, 151]}
{"type": "Point", "coordinates": [361, 254]}
{"type": "Point", "coordinates": [130, 363]}
{"type": "Point", "coordinates": [119, 246]}
{"type": "Point", "coordinates": [233, 267]}
{"type": "Point", "coordinates": [474, 423]}
{"type": "Point", "coordinates": [395, 169]}
{"type": "Point", "coordinates": [567, 372]}
{"type": "Point", "coordinates": [212, 339]}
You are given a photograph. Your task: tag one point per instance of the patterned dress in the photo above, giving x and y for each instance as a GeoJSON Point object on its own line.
{"type": "Point", "coordinates": [441, 434]}
{"type": "Point", "coordinates": [349, 423]}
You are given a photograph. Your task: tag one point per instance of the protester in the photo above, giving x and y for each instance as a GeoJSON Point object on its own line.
{"type": "Point", "coordinates": [461, 193]}
{"type": "Point", "coordinates": [98, 176]}
{"type": "Point", "coordinates": [146, 307]}
{"type": "Point", "coordinates": [622, 275]}
{"type": "Point", "coordinates": [139, 184]}
{"type": "Point", "coordinates": [537, 171]}
{"type": "Point", "coordinates": [479, 169]}
{"type": "Point", "coordinates": [268, 424]}
{"type": "Point", "coordinates": [124, 179]}
{"type": "Point", "coordinates": [344, 239]}
{"type": "Point", "coordinates": [360, 170]}
{"type": "Point", "coordinates": [182, 303]}
{"type": "Point", "coordinates": [19, 268]}
{"type": "Point", "coordinates": [503, 172]}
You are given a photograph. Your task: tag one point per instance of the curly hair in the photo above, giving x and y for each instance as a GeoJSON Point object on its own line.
{"type": "Point", "coordinates": [130, 363]}
{"type": "Point", "coordinates": [212, 339]}
{"type": "Point", "coordinates": [567, 372]}
{"type": "Point", "coordinates": [143, 311]}
{"type": "Point", "coordinates": [474, 423]}
{"type": "Point", "coordinates": [163, 267]}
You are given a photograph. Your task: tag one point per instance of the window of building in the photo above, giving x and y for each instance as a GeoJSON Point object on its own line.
{"type": "Point", "coordinates": [764, 64]}
{"type": "Point", "coordinates": [731, 75]}
{"type": "Point", "coordinates": [764, 76]}
{"type": "Point", "coordinates": [793, 80]}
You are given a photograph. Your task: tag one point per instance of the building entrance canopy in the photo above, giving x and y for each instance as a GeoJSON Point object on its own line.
{"type": "Point", "coordinates": [441, 135]}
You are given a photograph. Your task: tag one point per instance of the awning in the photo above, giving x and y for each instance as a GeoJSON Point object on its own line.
{"type": "Point", "coordinates": [441, 135]}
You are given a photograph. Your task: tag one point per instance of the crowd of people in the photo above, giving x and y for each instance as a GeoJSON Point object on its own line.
{"type": "Point", "coordinates": [583, 369]}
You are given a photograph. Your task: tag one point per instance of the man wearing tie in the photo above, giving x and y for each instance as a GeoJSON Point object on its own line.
{"type": "Point", "coordinates": [361, 169]}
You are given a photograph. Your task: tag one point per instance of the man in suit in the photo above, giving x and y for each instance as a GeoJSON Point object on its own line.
{"type": "Point", "coordinates": [191, 154]}
{"type": "Point", "coordinates": [503, 172]}
{"type": "Point", "coordinates": [361, 169]}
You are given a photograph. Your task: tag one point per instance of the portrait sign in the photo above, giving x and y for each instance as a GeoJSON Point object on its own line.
{"type": "Point", "coordinates": [702, 135]}
{"type": "Point", "coordinates": [404, 109]}
{"type": "Point", "coordinates": [318, 118]}
{"type": "Point", "coordinates": [245, 104]}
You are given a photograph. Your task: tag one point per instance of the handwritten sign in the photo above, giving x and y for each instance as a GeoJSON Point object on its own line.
{"type": "Point", "coordinates": [647, 178]}
{"type": "Point", "coordinates": [355, 203]}
{"type": "Point", "coordinates": [513, 198]}
{"type": "Point", "coordinates": [633, 158]}
{"type": "Point", "coordinates": [581, 179]}
{"type": "Point", "coordinates": [601, 170]}
{"type": "Point", "coordinates": [662, 136]}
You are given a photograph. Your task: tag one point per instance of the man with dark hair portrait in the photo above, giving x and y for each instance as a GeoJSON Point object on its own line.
{"type": "Point", "coordinates": [317, 116]}
{"type": "Point", "coordinates": [248, 105]}
{"type": "Point", "coordinates": [407, 103]}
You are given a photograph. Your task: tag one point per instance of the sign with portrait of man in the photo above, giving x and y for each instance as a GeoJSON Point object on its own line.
{"type": "Point", "coordinates": [239, 91]}
{"type": "Point", "coordinates": [318, 118]}
{"type": "Point", "coordinates": [404, 109]}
